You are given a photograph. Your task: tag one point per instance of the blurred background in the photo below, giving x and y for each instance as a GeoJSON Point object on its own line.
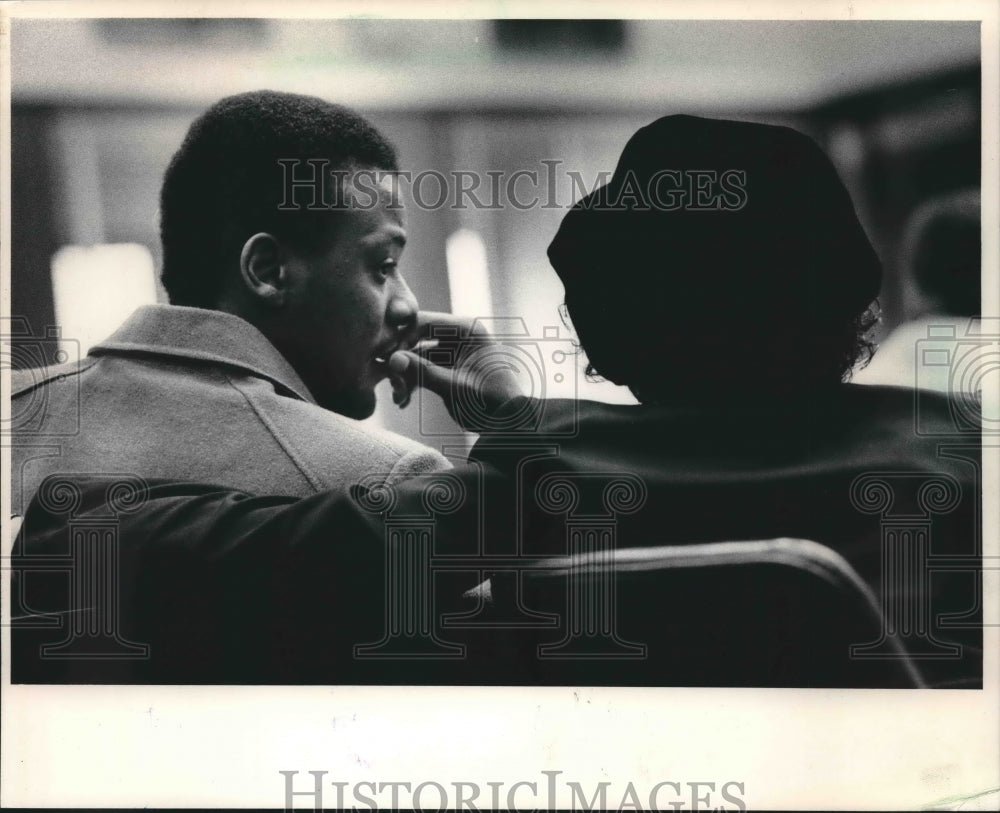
{"type": "Point", "coordinates": [99, 106]}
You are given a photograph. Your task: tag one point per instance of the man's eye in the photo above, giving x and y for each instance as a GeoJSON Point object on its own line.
{"type": "Point", "coordinates": [387, 267]}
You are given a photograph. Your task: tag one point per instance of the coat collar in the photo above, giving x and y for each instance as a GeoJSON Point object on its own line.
{"type": "Point", "coordinates": [203, 335]}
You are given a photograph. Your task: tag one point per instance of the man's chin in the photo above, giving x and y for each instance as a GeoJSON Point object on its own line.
{"type": "Point", "coordinates": [356, 405]}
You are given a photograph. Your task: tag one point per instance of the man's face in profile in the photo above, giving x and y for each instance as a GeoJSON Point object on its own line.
{"type": "Point", "coordinates": [349, 306]}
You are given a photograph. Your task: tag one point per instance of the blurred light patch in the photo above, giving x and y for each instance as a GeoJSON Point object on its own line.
{"type": "Point", "coordinates": [468, 274]}
{"type": "Point", "coordinates": [95, 288]}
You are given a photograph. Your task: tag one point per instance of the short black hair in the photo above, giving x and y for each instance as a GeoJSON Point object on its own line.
{"type": "Point", "coordinates": [225, 184]}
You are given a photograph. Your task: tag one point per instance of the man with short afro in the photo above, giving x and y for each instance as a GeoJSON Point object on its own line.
{"type": "Point", "coordinates": [284, 309]}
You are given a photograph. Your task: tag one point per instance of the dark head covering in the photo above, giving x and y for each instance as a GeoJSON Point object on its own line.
{"type": "Point", "coordinates": [770, 249]}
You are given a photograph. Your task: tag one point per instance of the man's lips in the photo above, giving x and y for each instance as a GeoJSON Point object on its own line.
{"type": "Point", "coordinates": [384, 351]}
{"type": "Point", "coordinates": [381, 356]}
{"type": "Point", "coordinates": [380, 361]}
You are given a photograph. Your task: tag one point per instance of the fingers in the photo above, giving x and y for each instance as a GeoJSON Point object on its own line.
{"type": "Point", "coordinates": [401, 390]}
{"type": "Point", "coordinates": [421, 339]}
{"type": "Point", "coordinates": [447, 340]}
{"type": "Point", "coordinates": [489, 386]}
{"type": "Point", "coordinates": [401, 393]}
{"type": "Point", "coordinates": [430, 323]}
{"type": "Point", "coordinates": [409, 370]}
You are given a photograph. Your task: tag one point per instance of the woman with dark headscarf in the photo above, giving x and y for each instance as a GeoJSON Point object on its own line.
{"type": "Point", "coordinates": [723, 276]}
{"type": "Point", "coordinates": [722, 256]}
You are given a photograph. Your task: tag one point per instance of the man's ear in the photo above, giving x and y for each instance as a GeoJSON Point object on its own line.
{"type": "Point", "coordinates": [262, 268]}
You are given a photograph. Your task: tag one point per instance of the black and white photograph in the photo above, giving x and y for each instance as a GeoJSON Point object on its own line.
{"type": "Point", "coordinates": [500, 406]}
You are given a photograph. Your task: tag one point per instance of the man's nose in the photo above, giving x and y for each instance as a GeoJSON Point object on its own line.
{"type": "Point", "coordinates": [403, 306]}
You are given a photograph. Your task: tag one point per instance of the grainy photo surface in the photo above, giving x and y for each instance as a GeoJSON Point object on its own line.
{"type": "Point", "coordinates": [508, 359]}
